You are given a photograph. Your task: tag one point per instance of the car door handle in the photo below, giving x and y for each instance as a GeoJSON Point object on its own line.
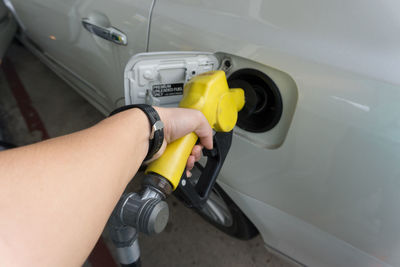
{"type": "Point", "coordinates": [108, 33]}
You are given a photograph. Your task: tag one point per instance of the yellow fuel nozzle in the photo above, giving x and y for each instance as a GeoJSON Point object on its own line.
{"type": "Point", "coordinates": [209, 93]}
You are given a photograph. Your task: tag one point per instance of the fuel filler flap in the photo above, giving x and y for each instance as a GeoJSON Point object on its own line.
{"type": "Point", "coordinates": [158, 78]}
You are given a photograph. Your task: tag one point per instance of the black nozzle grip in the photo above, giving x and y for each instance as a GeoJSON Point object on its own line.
{"type": "Point", "coordinates": [195, 195]}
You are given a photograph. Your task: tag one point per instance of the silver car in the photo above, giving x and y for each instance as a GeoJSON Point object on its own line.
{"type": "Point", "coordinates": [314, 165]}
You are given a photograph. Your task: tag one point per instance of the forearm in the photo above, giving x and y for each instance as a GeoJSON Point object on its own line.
{"type": "Point", "coordinates": [51, 205]}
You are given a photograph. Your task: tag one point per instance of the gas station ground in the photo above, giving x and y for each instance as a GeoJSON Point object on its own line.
{"type": "Point", "coordinates": [42, 102]}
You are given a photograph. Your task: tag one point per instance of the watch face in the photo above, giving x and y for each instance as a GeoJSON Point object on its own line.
{"type": "Point", "coordinates": [158, 125]}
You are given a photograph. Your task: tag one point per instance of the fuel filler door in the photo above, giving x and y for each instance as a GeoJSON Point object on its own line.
{"type": "Point", "coordinates": [158, 78]}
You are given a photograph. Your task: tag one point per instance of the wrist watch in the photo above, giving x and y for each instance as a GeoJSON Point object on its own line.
{"type": "Point", "coordinates": [156, 127]}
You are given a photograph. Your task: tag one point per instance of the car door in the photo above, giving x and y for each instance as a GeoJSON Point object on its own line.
{"type": "Point", "coordinates": [327, 195]}
{"type": "Point", "coordinates": [70, 33]}
{"type": "Point", "coordinates": [7, 28]}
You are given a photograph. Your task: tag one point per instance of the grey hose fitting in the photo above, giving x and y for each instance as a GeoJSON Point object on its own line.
{"type": "Point", "coordinates": [146, 212]}
{"type": "Point", "coordinates": [149, 216]}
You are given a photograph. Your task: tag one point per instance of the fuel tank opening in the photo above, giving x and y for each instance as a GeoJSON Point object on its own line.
{"type": "Point", "coordinates": [263, 105]}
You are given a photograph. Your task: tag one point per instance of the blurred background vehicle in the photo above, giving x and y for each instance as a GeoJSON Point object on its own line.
{"type": "Point", "coordinates": [8, 26]}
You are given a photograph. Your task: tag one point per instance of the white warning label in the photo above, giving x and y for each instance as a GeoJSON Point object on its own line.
{"type": "Point", "coordinates": [160, 90]}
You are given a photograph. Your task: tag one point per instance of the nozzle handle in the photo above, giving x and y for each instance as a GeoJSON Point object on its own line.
{"type": "Point", "coordinates": [176, 155]}
{"type": "Point", "coordinates": [209, 93]}
{"type": "Point", "coordinates": [196, 195]}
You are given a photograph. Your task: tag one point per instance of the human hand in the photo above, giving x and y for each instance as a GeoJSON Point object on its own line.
{"type": "Point", "coordinates": [179, 122]}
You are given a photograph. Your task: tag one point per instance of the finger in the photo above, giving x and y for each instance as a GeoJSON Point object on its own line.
{"type": "Point", "coordinates": [196, 152]}
{"type": "Point", "coordinates": [190, 163]}
{"type": "Point", "coordinates": [188, 174]}
{"type": "Point", "coordinates": [204, 132]}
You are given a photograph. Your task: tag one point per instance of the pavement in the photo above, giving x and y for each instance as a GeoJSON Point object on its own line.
{"type": "Point", "coordinates": [48, 107]}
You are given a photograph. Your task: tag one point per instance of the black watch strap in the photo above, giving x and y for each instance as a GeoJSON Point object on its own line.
{"type": "Point", "coordinates": [156, 135]}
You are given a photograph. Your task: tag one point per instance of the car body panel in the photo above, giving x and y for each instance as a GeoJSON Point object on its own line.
{"type": "Point", "coordinates": [337, 169]}
{"type": "Point", "coordinates": [8, 27]}
{"type": "Point", "coordinates": [318, 248]}
{"type": "Point", "coordinates": [56, 27]}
